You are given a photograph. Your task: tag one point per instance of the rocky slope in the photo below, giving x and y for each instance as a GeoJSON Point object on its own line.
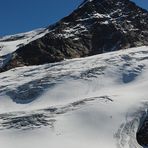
{"type": "Point", "coordinates": [95, 27]}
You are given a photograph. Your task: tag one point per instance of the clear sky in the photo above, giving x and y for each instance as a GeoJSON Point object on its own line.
{"type": "Point", "coordinates": [25, 15]}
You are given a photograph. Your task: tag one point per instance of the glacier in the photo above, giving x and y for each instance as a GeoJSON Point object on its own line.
{"type": "Point", "coordinates": [97, 101]}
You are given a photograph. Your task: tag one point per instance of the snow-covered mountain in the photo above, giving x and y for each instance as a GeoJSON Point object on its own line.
{"type": "Point", "coordinates": [96, 26]}
{"type": "Point", "coordinates": [98, 101]}
{"type": "Point", "coordinates": [48, 99]}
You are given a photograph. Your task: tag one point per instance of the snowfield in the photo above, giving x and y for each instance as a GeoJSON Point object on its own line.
{"type": "Point", "coordinates": [10, 43]}
{"type": "Point", "coordinates": [92, 102]}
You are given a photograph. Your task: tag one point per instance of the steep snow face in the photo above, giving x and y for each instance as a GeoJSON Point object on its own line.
{"type": "Point", "coordinates": [88, 102]}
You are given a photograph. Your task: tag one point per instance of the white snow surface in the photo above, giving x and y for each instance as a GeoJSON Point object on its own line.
{"type": "Point", "coordinates": [92, 102]}
{"type": "Point", "coordinates": [10, 43]}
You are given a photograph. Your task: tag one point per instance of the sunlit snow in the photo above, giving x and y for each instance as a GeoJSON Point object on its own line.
{"type": "Point", "coordinates": [90, 102]}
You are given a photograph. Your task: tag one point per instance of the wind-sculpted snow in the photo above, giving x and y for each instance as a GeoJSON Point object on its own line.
{"type": "Point", "coordinates": [98, 101]}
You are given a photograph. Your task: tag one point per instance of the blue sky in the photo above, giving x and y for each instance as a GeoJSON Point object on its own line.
{"type": "Point", "coordinates": [25, 15]}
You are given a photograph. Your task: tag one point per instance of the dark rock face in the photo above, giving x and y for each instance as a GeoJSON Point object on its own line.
{"type": "Point", "coordinates": [142, 134]}
{"type": "Point", "coordinates": [94, 27]}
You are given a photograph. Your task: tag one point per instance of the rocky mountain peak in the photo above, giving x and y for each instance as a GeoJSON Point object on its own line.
{"type": "Point", "coordinates": [95, 27]}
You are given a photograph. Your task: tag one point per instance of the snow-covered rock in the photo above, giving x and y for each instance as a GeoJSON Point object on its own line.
{"type": "Point", "coordinates": [9, 44]}
{"type": "Point", "coordinates": [95, 27]}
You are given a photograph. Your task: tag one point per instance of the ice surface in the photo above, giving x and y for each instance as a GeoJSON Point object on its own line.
{"type": "Point", "coordinates": [96, 101]}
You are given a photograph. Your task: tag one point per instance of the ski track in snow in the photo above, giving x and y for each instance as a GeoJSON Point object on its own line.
{"type": "Point", "coordinates": [96, 101]}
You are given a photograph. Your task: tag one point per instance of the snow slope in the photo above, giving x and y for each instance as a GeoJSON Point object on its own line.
{"type": "Point", "coordinates": [9, 44]}
{"type": "Point", "coordinates": [97, 101]}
